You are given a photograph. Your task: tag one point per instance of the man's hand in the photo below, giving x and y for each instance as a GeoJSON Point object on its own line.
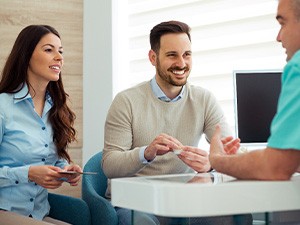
{"type": "Point", "coordinates": [231, 146]}
{"type": "Point", "coordinates": [195, 158]}
{"type": "Point", "coordinates": [223, 146]}
{"type": "Point", "coordinates": [298, 169]}
{"type": "Point", "coordinates": [161, 145]}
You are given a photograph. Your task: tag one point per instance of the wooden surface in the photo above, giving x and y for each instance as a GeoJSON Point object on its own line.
{"type": "Point", "coordinates": [67, 17]}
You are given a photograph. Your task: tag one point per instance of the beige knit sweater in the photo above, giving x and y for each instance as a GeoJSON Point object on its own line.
{"type": "Point", "coordinates": [137, 116]}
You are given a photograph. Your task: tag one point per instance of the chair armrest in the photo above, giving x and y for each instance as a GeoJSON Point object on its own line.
{"type": "Point", "coordinates": [69, 209]}
{"type": "Point", "coordinates": [102, 211]}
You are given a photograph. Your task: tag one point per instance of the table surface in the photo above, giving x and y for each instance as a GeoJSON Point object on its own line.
{"type": "Point", "coordinates": [206, 194]}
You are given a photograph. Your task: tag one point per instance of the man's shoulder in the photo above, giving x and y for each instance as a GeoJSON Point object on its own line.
{"type": "Point", "coordinates": [195, 88]}
{"type": "Point", "coordinates": [135, 92]}
{"type": "Point", "coordinates": [198, 90]}
{"type": "Point", "coordinates": [137, 88]}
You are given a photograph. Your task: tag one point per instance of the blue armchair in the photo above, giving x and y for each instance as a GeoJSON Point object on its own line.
{"type": "Point", "coordinates": [93, 191]}
{"type": "Point", "coordinates": [69, 209]}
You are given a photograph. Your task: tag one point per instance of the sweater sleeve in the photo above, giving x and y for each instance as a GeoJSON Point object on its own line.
{"type": "Point", "coordinates": [118, 159]}
{"type": "Point", "coordinates": [214, 115]}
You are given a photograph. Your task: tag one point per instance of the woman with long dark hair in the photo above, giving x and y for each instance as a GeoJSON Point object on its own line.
{"type": "Point", "coordinates": [36, 124]}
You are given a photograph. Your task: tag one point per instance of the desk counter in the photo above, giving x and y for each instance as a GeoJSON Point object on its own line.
{"type": "Point", "coordinates": [207, 194]}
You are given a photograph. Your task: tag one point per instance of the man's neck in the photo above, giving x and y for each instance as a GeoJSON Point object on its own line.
{"type": "Point", "coordinates": [171, 91]}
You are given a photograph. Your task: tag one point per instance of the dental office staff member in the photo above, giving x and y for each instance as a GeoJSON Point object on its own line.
{"type": "Point", "coordinates": [281, 159]}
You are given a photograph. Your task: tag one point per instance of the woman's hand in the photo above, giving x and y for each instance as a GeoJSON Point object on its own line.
{"type": "Point", "coordinates": [50, 177]}
{"type": "Point", "coordinates": [45, 176]}
{"type": "Point", "coordinates": [73, 179]}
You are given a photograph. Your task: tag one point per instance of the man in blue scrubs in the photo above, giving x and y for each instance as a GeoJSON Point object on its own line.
{"type": "Point", "coordinates": [281, 159]}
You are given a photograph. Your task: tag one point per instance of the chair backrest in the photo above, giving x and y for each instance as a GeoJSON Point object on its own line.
{"type": "Point", "coordinates": [97, 182]}
{"type": "Point", "coordinates": [93, 191]}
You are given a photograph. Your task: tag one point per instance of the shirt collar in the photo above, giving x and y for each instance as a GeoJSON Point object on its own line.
{"type": "Point", "coordinates": [161, 95]}
{"type": "Point", "coordinates": [24, 94]}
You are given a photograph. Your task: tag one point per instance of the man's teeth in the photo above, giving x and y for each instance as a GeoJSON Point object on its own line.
{"type": "Point", "coordinates": [55, 67]}
{"type": "Point", "coordinates": [179, 72]}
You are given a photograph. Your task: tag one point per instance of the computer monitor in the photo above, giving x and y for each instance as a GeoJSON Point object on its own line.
{"type": "Point", "coordinates": [256, 97]}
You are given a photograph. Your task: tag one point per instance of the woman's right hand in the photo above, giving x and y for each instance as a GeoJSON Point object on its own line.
{"type": "Point", "coordinates": [45, 176]}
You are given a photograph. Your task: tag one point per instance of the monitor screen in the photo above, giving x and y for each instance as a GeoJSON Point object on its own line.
{"type": "Point", "coordinates": [256, 97]}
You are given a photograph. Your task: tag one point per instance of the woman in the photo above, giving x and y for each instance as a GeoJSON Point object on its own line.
{"type": "Point", "coordinates": [36, 125]}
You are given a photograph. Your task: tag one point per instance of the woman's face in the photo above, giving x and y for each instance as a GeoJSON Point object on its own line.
{"type": "Point", "coordinates": [46, 61]}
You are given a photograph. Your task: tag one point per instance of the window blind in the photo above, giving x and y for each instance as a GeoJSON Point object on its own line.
{"type": "Point", "coordinates": [226, 35]}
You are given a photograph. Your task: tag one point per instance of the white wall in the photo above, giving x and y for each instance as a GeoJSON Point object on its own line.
{"type": "Point", "coordinates": [97, 73]}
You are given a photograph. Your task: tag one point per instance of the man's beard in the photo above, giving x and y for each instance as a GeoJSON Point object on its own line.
{"type": "Point", "coordinates": [168, 78]}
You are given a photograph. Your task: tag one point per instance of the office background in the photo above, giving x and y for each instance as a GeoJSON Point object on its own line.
{"type": "Point", "coordinates": [106, 46]}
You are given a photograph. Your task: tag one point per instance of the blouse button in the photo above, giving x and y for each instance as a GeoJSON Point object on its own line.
{"type": "Point", "coordinates": [43, 128]}
{"type": "Point", "coordinates": [31, 199]}
{"type": "Point", "coordinates": [43, 159]}
{"type": "Point", "coordinates": [16, 182]}
{"type": "Point", "coordinates": [46, 145]}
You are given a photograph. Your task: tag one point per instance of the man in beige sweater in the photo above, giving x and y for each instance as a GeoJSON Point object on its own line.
{"type": "Point", "coordinates": [146, 123]}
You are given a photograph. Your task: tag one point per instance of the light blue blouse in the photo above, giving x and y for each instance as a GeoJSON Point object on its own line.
{"type": "Point", "coordinates": [25, 139]}
{"type": "Point", "coordinates": [285, 127]}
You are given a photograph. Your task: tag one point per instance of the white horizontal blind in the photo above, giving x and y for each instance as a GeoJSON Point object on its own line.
{"type": "Point", "coordinates": [226, 35]}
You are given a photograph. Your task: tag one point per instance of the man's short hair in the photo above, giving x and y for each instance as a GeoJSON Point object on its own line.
{"type": "Point", "coordinates": [167, 28]}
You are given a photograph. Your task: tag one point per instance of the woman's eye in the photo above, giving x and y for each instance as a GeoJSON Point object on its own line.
{"type": "Point", "coordinates": [48, 50]}
{"type": "Point", "coordinates": [61, 52]}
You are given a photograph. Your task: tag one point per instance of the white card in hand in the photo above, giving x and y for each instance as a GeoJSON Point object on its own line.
{"type": "Point", "coordinates": [177, 151]}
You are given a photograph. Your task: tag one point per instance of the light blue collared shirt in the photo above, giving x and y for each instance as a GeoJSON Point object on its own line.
{"type": "Point", "coordinates": [26, 139]}
{"type": "Point", "coordinates": [162, 96]}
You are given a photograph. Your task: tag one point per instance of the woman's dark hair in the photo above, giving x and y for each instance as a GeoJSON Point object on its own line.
{"type": "Point", "coordinates": [14, 76]}
{"type": "Point", "coordinates": [166, 28]}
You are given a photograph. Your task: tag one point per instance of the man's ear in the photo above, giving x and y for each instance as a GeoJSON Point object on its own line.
{"type": "Point", "coordinates": [152, 57]}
